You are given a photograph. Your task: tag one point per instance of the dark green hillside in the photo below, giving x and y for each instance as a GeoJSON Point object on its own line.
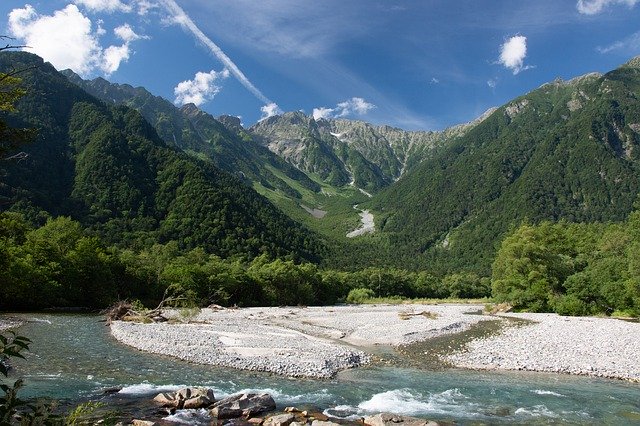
{"type": "Point", "coordinates": [568, 150]}
{"type": "Point", "coordinates": [225, 144]}
{"type": "Point", "coordinates": [108, 168]}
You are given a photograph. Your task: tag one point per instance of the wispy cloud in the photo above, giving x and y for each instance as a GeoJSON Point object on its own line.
{"type": "Point", "coordinates": [353, 106]}
{"type": "Point", "coordinates": [108, 6]}
{"type": "Point", "coordinates": [180, 17]}
{"type": "Point", "coordinates": [593, 7]}
{"type": "Point", "coordinates": [201, 89]}
{"type": "Point", "coordinates": [127, 34]}
{"type": "Point", "coordinates": [513, 53]}
{"type": "Point", "coordinates": [67, 40]}
{"type": "Point", "coordinates": [285, 27]}
{"type": "Point", "coordinates": [492, 83]}
{"type": "Point", "coordinates": [628, 46]}
{"type": "Point", "coordinates": [434, 80]}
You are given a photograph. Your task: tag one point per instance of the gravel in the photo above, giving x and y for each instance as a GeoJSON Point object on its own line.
{"type": "Point", "coordinates": [321, 341]}
{"type": "Point", "coordinates": [7, 323]}
{"type": "Point", "coordinates": [297, 342]}
{"type": "Point", "coordinates": [600, 347]}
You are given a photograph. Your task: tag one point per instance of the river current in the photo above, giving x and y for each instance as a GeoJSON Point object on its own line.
{"type": "Point", "coordinates": [73, 358]}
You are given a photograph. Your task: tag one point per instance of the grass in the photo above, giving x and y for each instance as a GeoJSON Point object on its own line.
{"type": "Point", "coordinates": [397, 300]}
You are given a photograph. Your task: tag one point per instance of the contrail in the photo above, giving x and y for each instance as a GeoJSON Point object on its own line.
{"type": "Point", "coordinates": [185, 21]}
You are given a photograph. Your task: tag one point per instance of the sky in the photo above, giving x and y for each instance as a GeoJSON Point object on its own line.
{"type": "Point", "coordinates": [413, 64]}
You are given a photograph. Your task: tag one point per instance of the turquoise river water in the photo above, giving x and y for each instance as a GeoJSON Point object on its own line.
{"type": "Point", "coordinates": [74, 358]}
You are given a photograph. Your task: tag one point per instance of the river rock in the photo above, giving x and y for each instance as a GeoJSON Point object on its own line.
{"type": "Point", "coordinates": [388, 419]}
{"type": "Point", "coordinates": [186, 398]}
{"type": "Point", "coordinates": [244, 404]}
{"type": "Point", "coordinates": [324, 423]}
{"type": "Point", "coordinates": [280, 420]}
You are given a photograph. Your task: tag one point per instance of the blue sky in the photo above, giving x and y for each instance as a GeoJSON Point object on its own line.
{"type": "Point", "coordinates": [414, 64]}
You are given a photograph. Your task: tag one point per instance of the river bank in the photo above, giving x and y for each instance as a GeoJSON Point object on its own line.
{"type": "Point", "coordinates": [319, 342]}
{"type": "Point", "coordinates": [598, 347]}
{"type": "Point", "coordinates": [313, 342]}
{"type": "Point", "coordinates": [75, 359]}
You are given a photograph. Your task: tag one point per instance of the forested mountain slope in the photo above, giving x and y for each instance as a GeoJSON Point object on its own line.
{"type": "Point", "coordinates": [223, 141]}
{"type": "Point", "coordinates": [107, 167]}
{"type": "Point", "coordinates": [568, 150]}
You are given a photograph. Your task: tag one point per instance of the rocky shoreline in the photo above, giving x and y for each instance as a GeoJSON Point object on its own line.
{"type": "Point", "coordinates": [199, 406]}
{"type": "Point", "coordinates": [589, 346]}
{"type": "Point", "coordinates": [321, 341]}
{"type": "Point", "coordinates": [295, 342]}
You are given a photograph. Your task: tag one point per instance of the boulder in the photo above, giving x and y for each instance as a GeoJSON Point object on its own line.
{"type": "Point", "coordinates": [280, 420]}
{"type": "Point", "coordinates": [388, 419]}
{"type": "Point", "coordinates": [186, 398]}
{"type": "Point", "coordinates": [137, 422]}
{"type": "Point", "coordinates": [244, 404]}
{"type": "Point", "coordinates": [324, 423]}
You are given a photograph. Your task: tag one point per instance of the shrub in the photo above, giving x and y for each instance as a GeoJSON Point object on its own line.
{"type": "Point", "coordinates": [359, 295]}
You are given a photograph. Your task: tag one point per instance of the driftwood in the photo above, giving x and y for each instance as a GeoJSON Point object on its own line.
{"type": "Point", "coordinates": [124, 310]}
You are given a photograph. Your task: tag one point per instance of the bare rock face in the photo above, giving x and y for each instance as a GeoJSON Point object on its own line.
{"type": "Point", "coordinates": [186, 398]}
{"type": "Point", "coordinates": [388, 419]}
{"type": "Point", "coordinates": [243, 405]}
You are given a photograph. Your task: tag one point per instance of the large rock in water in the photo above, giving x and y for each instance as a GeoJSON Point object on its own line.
{"type": "Point", "coordinates": [244, 404]}
{"type": "Point", "coordinates": [388, 419]}
{"type": "Point", "coordinates": [186, 398]}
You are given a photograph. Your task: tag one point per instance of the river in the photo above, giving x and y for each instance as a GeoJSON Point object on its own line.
{"type": "Point", "coordinates": [74, 358]}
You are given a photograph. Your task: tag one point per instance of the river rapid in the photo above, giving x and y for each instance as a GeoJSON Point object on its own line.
{"type": "Point", "coordinates": [73, 358]}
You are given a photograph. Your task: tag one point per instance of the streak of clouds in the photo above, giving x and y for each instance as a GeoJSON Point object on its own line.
{"type": "Point", "coordinates": [180, 17]}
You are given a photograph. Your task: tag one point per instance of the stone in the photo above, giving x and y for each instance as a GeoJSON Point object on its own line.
{"type": "Point", "coordinates": [255, 420]}
{"type": "Point", "coordinates": [319, 416]}
{"type": "Point", "coordinates": [244, 404]}
{"type": "Point", "coordinates": [291, 410]}
{"type": "Point", "coordinates": [324, 423]}
{"type": "Point", "coordinates": [224, 413]}
{"type": "Point", "coordinates": [136, 422]}
{"type": "Point", "coordinates": [388, 419]}
{"type": "Point", "coordinates": [280, 420]}
{"type": "Point", "coordinates": [186, 398]}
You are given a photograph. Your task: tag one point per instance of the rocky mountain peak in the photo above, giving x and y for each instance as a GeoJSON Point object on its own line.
{"type": "Point", "coordinates": [633, 63]}
{"type": "Point", "coordinates": [231, 122]}
{"type": "Point", "coordinates": [190, 109]}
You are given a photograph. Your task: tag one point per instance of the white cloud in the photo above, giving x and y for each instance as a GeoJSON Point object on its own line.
{"type": "Point", "coordinates": [67, 40]}
{"type": "Point", "coordinates": [201, 89]}
{"type": "Point", "coordinates": [144, 6]}
{"type": "Point", "coordinates": [434, 80]}
{"type": "Point", "coordinates": [113, 56]}
{"type": "Point", "coordinates": [493, 82]}
{"type": "Point", "coordinates": [353, 106]}
{"type": "Point", "coordinates": [270, 110]}
{"type": "Point", "coordinates": [127, 34]}
{"type": "Point", "coordinates": [322, 112]}
{"type": "Point", "coordinates": [513, 52]}
{"type": "Point", "coordinates": [593, 7]}
{"type": "Point", "coordinates": [179, 16]}
{"type": "Point", "coordinates": [108, 6]}
{"type": "Point", "coordinates": [629, 46]}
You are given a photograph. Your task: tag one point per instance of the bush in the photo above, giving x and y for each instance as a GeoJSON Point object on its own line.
{"type": "Point", "coordinates": [360, 295]}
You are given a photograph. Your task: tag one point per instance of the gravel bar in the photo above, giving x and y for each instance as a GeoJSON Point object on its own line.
{"type": "Point", "coordinates": [297, 342]}
{"type": "Point", "coordinates": [600, 347]}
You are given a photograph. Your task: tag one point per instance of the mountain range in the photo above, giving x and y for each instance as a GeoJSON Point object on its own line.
{"type": "Point", "coordinates": [442, 201]}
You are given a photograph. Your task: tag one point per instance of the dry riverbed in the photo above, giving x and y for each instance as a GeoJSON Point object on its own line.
{"type": "Point", "coordinates": [321, 341]}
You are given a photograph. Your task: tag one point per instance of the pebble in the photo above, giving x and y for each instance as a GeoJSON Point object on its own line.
{"type": "Point", "coordinates": [599, 347]}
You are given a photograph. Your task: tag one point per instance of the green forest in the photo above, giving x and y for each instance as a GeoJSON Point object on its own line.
{"type": "Point", "coordinates": [533, 208]}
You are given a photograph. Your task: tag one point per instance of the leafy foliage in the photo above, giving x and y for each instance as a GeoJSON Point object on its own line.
{"type": "Point", "coordinates": [568, 150]}
{"type": "Point", "coordinates": [107, 168]}
{"type": "Point", "coordinates": [571, 269]}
